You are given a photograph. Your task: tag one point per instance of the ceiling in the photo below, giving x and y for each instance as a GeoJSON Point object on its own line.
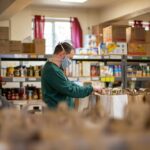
{"type": "Point", "coordinates": [58, 3]}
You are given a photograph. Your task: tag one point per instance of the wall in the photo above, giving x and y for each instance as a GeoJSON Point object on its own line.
{"type": "Point", "coordinates": [124, 9]}
{"type": "Point", "coordinates": [86, 17]}
{"type": "Point", "coordinates": [4, 23]}
{"type": "Point", "coordinates": [20, 23]}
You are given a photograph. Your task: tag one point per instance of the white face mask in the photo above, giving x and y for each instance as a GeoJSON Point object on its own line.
{"type": "Point", "coordinates": [66, 62]}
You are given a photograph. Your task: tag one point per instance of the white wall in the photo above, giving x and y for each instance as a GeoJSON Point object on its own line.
{"type": "Point", "coordinates": [4, 23]}
{"type": "Point", "coordinates": [21, 22]}
{"type": "Point", "coordinates": [124, 9]}
{"type": "Point", "coordinates": [21, 25]}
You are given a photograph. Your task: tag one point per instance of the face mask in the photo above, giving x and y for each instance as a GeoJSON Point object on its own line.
{"type": "Point", "coordinates": [66, 62]}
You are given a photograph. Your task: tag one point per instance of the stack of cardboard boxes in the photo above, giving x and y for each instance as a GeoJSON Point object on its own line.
{"type": "Point", "coordinates": [126, 40]}
{"type": "Point", "coordinates": [16, 47]}
{"type": "Point", "coordinates": [115, 39]}
{"type": "Point", "coordinates": [36, 47]}
{"type": "Point", "coordinates": [136, 40]}
{"type": "Point", "coordinates": [6, 46]}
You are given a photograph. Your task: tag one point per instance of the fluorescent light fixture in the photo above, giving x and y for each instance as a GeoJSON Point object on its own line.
{"type": "Point", "coordinates": [74, 1]}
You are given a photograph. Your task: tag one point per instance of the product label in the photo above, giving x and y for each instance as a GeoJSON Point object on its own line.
{"type": "Point", "coordinates": [133, 79]}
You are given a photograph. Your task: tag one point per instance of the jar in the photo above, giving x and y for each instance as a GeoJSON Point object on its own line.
{"type": "Point", "coordinates": [10, 71]}
{"type": "Point", "coordinates": [30, 73]}
{"type": "Point", "coordinates": [17, 72]}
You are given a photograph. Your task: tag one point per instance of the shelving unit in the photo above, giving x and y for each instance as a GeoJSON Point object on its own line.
{"type": "Point", "coordinates": [123, 61]}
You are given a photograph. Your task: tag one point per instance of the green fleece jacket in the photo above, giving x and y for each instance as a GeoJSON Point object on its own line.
{"type": "Point", "coordinates": [57, 88]}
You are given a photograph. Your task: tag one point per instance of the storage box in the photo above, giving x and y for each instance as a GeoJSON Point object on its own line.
{"type": "Point", "coordinates": [148, 49]}
{"type": "Point", "coordinates": [119, 48]}
{"type": "Point", "coordinates": [39, 46]}
{"type": "Point", "coordinates": [147, 36]}
{"type": "Point", "coordinates": [135, 34]}
{"type": "Point", "coordinates": [137, 49]}
{"type": "Point", "coordinates": [114, 34]}
{"type": "Point", "coordinates": [15, 47]}
{"type": "Point", "coordinates": [28, 48]}
{"type": "Point", "coordinates": [4, 47]}
{"type": "Point", "coordinates": [4, 33]}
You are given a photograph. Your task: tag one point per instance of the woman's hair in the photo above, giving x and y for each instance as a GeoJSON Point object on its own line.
{"type": "Point", "coordinates": [63, 47]}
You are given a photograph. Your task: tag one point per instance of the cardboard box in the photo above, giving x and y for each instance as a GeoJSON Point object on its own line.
{"type": "Point", "coordinates": [137, 49]}
{"type": "Point", "coordinates": [4, 33]}
{"type": "Point", "coordinates": [97, 30]}
{"type": "Point", "coordinates": [15, 47]}
{"type": "Point", "coordinates": [39, 46]}
{"type": "Point", "coordinates": [114, 34]}
{"type": "Point", "coordinates": [4, 47]}
{"type": "Point", "coordinates": [148, 49]}
{"type": "Point", "coordinates": [119, 48]}
{"type": "Point", "coordinates": [28, 48]}
{"type": "Point", "coordinates": [135, 34]}
{"type": "Point", "coordinates": [147, 36]}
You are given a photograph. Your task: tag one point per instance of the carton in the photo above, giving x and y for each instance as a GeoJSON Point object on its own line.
{"type": "Point", "coordinates": [114, 34]}
{"type": "Point", "coordinates": [39, 46]}
{"type": "Point", "coordinates": [137, 49]}
{"type": "Point", "coordinates": [28, 48]}
{"type": "Point", "coordinates": [15, 47]}
{"type": "Point", "coordinates": [148, 49]}
{"type": "Point", "coordinates": [135, 34]}
{"type": "Point", "coordinates": [4, 47]}
{"type": "Point", "coordinates": [147, 34]}
{"type": "Point", "coordinates": [4, 33]}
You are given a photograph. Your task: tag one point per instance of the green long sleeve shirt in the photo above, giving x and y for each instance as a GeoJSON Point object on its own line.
{"type": "Point", "coordinates": [57, 88]}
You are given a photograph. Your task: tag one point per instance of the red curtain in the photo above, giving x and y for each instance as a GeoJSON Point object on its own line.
{"type": "Point", "coordinates": [39, 23]}
{"type": "Point", "coordinates": [76, 33]}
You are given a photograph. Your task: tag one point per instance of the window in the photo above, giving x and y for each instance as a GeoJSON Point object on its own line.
{"type": "Point", "coordinates": [56, 30]}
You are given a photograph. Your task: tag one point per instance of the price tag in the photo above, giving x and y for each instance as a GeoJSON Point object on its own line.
{"type": "Point", "coordinates": [18, 79]}
{"type": "Point", "coordinates": [130, 57]}
{"type": "Point", "coordinates": [41, 56]}
{"type": "Point", "coordinates": [112, 79]}
{"type": "Point", "coordinates": [115, 57]}
{"type": "Point", "coordinates": [103, 79]}
{"type": "Point", "coordinates": [106, 57]}
{"type": "Point", "coordinates": [33, 56]}
{"type": "Point", "coordinates": [107, 79]}
{"type": "Point", "coordinates": [144, 58]}
{"type": "Point", "coordinates": [32, 79]}
{"type": "Point", "coordinates": [143, 64]}
{"type": "Point", "coordinates": [133, 79]}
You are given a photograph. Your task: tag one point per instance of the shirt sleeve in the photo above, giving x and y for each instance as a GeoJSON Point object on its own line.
{"type": "Point", "coordinates": [58, 81]}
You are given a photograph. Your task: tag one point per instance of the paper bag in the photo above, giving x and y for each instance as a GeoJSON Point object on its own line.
{"type": "Point", "coordinates": [114, 105]}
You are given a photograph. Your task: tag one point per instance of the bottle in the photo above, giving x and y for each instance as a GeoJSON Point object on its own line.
{"type": "Point", "coordinates": [21, 71]}
{"type": "Point", "coordinates": [30, 96]}
{"type": "Point", "coordinates": [35, 95]}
